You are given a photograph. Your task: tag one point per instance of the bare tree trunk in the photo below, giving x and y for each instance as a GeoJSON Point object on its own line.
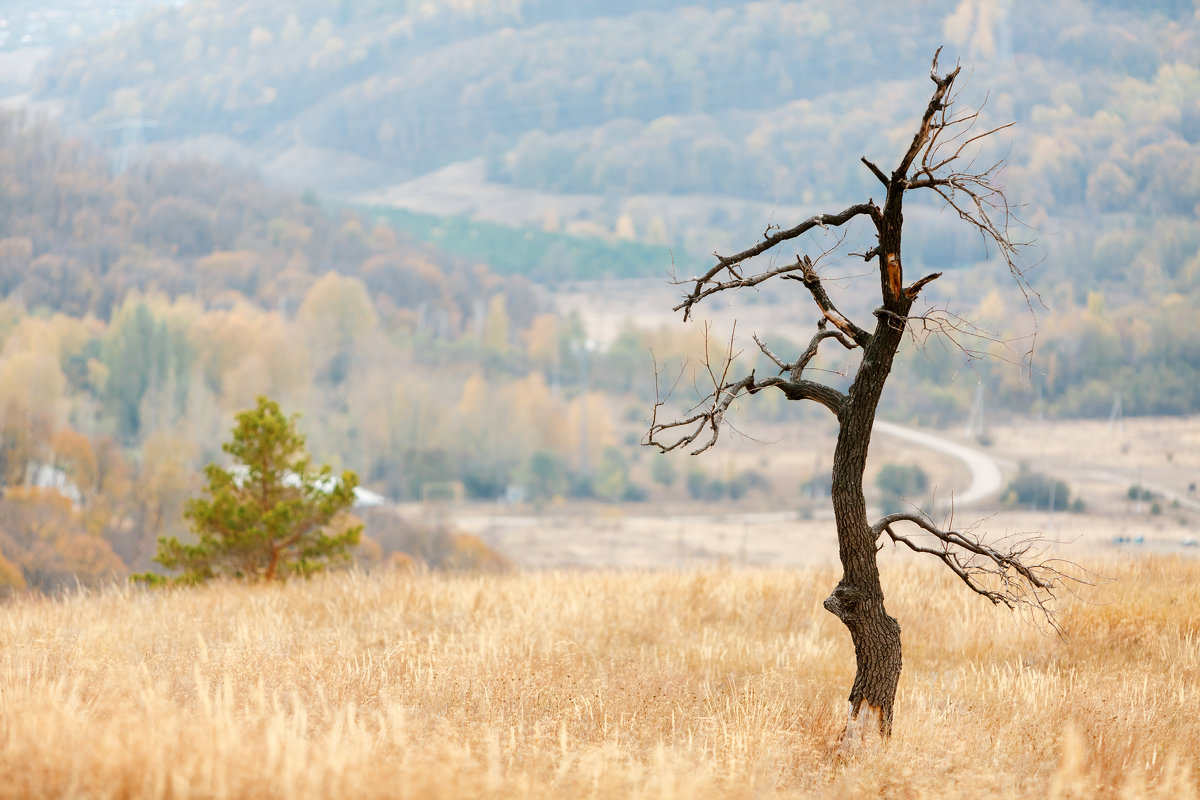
{"type": "Point", "coordinates": [857, 600]}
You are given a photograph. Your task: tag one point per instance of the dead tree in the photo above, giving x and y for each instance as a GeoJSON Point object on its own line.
{"type": "Point", "coordinates": [939, 159]}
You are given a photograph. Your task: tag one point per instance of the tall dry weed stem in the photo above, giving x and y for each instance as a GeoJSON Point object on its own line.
{"type": "Point", "coordinates": [599, 684]}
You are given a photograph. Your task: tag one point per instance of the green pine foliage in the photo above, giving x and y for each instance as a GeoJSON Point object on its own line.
{"type": "Point", "coordinates": [271, 516]}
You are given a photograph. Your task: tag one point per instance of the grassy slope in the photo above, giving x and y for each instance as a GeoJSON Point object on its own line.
{"type": "Point", "coordinates": [713, 684]}
{"type": "Point", "coordinates": [536, 254]}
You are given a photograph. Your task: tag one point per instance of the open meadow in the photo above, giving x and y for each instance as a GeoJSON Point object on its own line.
{"type": "Point", "coordinates": [715, 683]}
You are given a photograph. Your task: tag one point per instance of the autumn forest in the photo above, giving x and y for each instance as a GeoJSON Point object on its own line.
{"type": "Point", "coordinates": [153, 289]}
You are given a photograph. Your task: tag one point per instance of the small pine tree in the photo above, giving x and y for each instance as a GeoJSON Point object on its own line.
{"type": "Point", "coordinates": [272, 515]}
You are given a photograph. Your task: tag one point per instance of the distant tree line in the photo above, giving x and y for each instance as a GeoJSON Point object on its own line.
{"type": "Point", "coordinates": [711, 98]}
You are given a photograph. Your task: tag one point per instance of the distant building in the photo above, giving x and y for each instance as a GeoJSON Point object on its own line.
{"type": "Point", "coordinates": [45, 476]}
{"type": "Point", "coordinates": [363, 498]}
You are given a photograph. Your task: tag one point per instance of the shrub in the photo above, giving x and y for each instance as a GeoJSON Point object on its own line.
{"type": "Point", "coordinates": [546, 475]}
{"type": "Point", "coordinates": [662, 471]}
{"type": "Point", "coordinates": [1140, 493]}
{"type": "Point", "coordinates": [1035, 490]}
{"type": "Point", "coordinates": [900, 483]}
{"type": "Point", "coordinates": [697, 484]}
{"type": "Point", "coordinates": [408, 543]}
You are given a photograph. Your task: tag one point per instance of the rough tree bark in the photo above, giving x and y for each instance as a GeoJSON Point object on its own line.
{"type": "Point", "coordinates": [1014, 575]}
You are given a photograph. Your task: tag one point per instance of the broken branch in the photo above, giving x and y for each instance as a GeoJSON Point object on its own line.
{"type": "Point", "coordinates": [877, 172]}
{"type": "Point", "coordinates": [812, 281]}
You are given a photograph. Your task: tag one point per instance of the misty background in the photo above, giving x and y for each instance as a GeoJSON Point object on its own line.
{"type": "Point", "coordinates": [443, 232]}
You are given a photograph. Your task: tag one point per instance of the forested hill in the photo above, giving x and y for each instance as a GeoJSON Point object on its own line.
{"type": "Point", "coordinates": [662, 115]}
{"type": "Point", "coordinates": [420, 89]}
{"type": "Point", "coordinates": [77, 239]}
{"type": "Point", "coordinates": [767, 101]}
{"type": "Point", "coordinates": [446, 80]}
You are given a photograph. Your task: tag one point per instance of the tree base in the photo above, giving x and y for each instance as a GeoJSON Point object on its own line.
{"type": "Point", "coordinates": [864, 728]}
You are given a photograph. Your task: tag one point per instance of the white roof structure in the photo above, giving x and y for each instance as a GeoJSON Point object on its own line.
{"type": "Point", "coordinates": [46, 476]}
{"type": "Point", "coordinates": [363, 498]}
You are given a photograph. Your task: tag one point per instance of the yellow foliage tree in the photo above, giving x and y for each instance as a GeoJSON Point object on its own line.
{"type": "Point", "coordinates": [226, 269]}
{"type": "Point", "coordinates": [43, 534]}
{"type": "Point", "coordinates": [541, 341]}
{"type": "Point", "coordinates": [336, 315]}
{"type": "Point", "coordinates": [32, 380]}
{"type": "Point", "coordinates": [245, 352]}
{"type": "Point", "coordinates": [474, 396]}
{"type": "Point", "coordinates": [11, 578]}
{"type": "Point", "coordinates": [496, 326]}
{"type": "Point", "coordinates": [537, 415]}
{"type": "Point", "coordinates": [73, 455]}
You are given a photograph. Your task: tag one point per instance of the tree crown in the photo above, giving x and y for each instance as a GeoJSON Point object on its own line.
{"type": "Point", "coordinates": [270, 515]}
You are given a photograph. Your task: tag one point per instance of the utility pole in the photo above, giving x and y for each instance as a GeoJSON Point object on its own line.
{"type": "Point", "coordinates": [1114, 416]}
{"type": "Point", "coordinates": [975, 418]}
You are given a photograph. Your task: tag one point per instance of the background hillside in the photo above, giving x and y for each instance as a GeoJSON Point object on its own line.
{"type": "Point", "coordinates": [684, 127]}
{"type": "Point", "coordinates": [393, 217]}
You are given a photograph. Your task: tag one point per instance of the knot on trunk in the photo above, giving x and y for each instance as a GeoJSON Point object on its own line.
{"type": "Point", "coordinates": [845, 602]}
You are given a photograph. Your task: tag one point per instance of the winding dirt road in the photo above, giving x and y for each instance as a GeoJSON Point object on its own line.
{"type": "Point", "coordinates": [986, 477]}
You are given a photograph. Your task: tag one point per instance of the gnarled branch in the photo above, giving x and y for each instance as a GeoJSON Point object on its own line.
{"type": "Point", "coordinates": [927, 130]}
{"type": "Point", "coordinates": [1016, 575]}
{"type": "Point", "coordinates": [810, 352]}
{"type": "Point", "coordinates": [716, 403]}
{"type": "Point", "coordinates": [796, 368]}
{"type": "Point", "coordinates": [708, 284]}
{"type": "Point", "coordinates": [972, 192]}
{"type": "Point", "coordinates": [812, 281]}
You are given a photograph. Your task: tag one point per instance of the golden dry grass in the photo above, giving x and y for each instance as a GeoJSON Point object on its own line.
{"type": "Point", "coordinates": [602, 684]}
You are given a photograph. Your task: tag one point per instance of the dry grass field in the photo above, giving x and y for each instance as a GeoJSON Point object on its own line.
{"type": "Point", "coordinates": [721, 683]}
